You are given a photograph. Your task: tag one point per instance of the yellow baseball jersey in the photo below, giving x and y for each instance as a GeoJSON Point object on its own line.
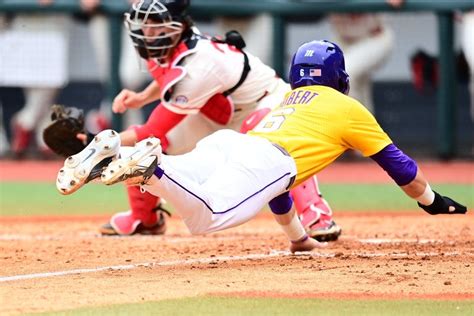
{"type": "Point", "coordinates": [316, 124]}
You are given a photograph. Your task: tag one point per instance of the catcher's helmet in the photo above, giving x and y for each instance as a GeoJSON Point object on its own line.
{"type": "Point", "coordinates": [319, 63]}
{"type": "Point", "coordinates": [156, 26]}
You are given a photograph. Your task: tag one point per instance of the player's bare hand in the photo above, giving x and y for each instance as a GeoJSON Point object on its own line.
{"type": "Point", "coordinates": [127, 99]}
{"type": "Point", "coordinates": [307, 244]}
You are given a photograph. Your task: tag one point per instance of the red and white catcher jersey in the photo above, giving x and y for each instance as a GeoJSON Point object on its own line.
{"type": "Point", "coordinates": [202, 68]}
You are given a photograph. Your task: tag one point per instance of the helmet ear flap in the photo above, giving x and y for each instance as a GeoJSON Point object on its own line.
{"type": "Point", "coordinates": [343, 82]}
{"type": "Point", "coordinates": [342, 85]}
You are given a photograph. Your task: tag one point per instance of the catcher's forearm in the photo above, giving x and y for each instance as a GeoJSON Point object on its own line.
{"type": "Point", "coordinates": [159, 123]}
{"type": "Point", "coordinates": [151, 93]}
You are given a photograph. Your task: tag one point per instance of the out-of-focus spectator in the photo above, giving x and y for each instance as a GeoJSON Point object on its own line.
{"type": "Point", "coordinates": [37, 51]}
{"type": "Point", "coordinates": [467, 42]}
{"type": "Point", "coordinates": [367, 42]}
{"type": "Point", "coordinates": [130, 75]}
{"type": "Point", "coordinates": [4, 145]}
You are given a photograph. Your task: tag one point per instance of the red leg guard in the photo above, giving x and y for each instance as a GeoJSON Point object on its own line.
{"type": "Point", "coordinates": [314, 212]}
{"type": "Point", "coordinates": [142, 205]}
{"type": "Point", "coordinates": [308, 202]}
{"type": "Point", "coordinates": [306, 194]}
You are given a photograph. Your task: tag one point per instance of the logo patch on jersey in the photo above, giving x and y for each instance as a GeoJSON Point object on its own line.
{"type": "Point", "coordinates": [181, 99]}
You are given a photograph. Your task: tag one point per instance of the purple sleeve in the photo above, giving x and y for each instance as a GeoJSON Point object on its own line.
{"type": "Point", "coordinates": [281, 204]}
{"type": "Point", "coordinates": [401, 168]}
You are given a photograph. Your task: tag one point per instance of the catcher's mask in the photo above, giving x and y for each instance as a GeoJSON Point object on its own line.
{"type": "Point", "coordinates": [319, 63]}
{"type": "Point", "coordinates": [155, 27]}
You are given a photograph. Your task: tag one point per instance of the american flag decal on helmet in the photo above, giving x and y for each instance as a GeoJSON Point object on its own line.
{"type": "Point", "coordinates": [315, 72]}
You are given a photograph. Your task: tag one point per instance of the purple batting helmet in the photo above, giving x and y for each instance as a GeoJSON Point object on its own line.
{"type": "Point", "coordinates": [319, 63]}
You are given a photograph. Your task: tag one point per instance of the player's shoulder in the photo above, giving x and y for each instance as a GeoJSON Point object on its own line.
{"type": "Point", "coordinates": [334, 100]}
{"type": "Point", "coordinates": [204, 51]}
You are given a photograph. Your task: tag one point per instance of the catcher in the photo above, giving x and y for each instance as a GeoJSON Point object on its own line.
{"type": "Point", "coordinates": [205, 84]}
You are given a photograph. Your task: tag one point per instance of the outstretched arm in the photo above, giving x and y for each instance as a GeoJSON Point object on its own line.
{"type": "Point", "coordinates": [404, 171]}
{"type": "Point", "coordinates": [128, 99]}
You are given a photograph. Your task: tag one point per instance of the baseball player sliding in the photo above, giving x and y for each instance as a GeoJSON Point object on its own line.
{"type": "Point", "coordinates": [204, 84]}
{"type": "Point", "coordinates": [229, 176]}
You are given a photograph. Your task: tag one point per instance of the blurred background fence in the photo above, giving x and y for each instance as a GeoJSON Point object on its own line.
{"type": "Point", "coordinates": [433, 122]}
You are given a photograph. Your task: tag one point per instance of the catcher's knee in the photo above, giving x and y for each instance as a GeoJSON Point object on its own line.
{"type": "Point", "coordinates": [253, 119]}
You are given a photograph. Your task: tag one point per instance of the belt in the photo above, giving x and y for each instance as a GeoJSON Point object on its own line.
{"type": "Point", "coordinates": [284, 152]}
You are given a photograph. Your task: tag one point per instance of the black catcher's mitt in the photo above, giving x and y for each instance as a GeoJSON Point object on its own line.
{"type": "Point", "coordinates": [61, 134]}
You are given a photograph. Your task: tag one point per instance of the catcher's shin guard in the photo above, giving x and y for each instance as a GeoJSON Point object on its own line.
{"type": "Point", "coordinates": [314, 212]}
{"type": "Point", "coordinates": [145, 216]}
{"type": "Point", "coordinates": [88, 163]}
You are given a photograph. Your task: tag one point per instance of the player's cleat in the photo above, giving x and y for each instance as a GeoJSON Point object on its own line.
{"type": "Point", "coordinates": [318, 223]}
{"type": "Point", "coordinates": [325, 230]}
{"type": "Point", "coordinates": [137, 166]}
{"type": "Point", "coordinates": [124, 224]}
{"type": "Point", "coordinates": [88, 163]}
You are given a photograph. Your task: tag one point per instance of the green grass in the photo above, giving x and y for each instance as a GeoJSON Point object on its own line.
{"type": "Point", "coordinates": [272, 306]}
{"type": "Point", "coordinates": [43, 199]}
{"type": "Point", "coordinates": [370, 197]}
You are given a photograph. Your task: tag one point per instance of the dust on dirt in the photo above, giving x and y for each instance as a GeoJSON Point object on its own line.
{"type": "Point", "coordinates": [380, 255]}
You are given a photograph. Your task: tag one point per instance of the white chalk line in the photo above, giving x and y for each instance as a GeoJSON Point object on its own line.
{"type": "Point", "coordinates": [401, 241]}
{"type": "Point", "coordinates": [225, 259]}
{"type": "Point", "coordinates": [146, 264]}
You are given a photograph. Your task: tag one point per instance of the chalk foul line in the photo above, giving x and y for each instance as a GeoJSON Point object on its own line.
{"type": "Point", "coordinates": [207, 260]}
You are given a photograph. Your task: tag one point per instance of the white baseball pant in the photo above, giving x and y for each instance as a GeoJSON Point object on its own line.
{"type": "Point", "coordinates": [224, 182]}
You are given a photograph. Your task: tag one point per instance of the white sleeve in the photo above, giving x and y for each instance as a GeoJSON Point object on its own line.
{"type": "Point", "coordinates": [208, 72]}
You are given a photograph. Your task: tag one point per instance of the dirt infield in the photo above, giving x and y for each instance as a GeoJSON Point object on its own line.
{"type": "Point", "coordinates": [64, 264]}
{"type": "Point", "coordinates": [55, 263]}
